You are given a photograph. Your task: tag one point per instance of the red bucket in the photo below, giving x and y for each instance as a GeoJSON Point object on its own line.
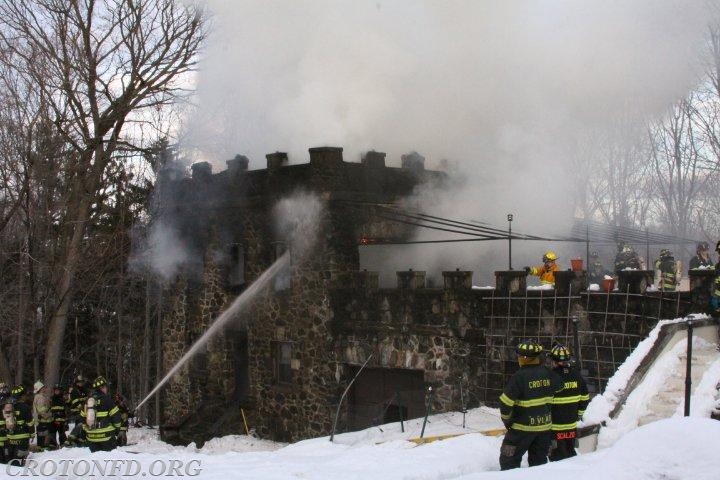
{"type": "Point", "coordinates": [608, 284]}
{"type": "Point", "coordinates": [577, 264]}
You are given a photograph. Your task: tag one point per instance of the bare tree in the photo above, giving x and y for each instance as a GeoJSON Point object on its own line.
{"type": "Point", "coordinates": [609, 168]}
{"type": "Point", "coordinates": [677, 165]}
{"type": "Point", "coordinates": [100, 66]}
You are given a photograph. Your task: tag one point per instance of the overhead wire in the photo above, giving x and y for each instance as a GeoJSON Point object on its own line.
{"type": "Point", "coordinates": [581, 231]}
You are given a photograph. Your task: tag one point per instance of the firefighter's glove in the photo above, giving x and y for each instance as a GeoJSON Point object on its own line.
{"type": "Point", "coordinates": [527, 270]}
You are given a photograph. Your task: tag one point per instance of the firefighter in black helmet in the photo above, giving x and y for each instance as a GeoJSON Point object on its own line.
{"type": "Point", "coordinates": [59, 413]}
{"type": "Point", "coordinates": [568, 406]}
{"type": "Point", "coordinates": [715, 296]}
{"type": "Point", "coordinates": [18, 419]}
{"type": "Point", "coordinates": [525, 409]}
{"type": "Point", "coordinates": [702, 259]}
{"type": "Point", "coordinates": [102, 418]}
{"type": "Point", "coordinates": [668, 271]}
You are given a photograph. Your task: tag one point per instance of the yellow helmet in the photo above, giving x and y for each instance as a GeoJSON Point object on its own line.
{"type": "Point", "coordinates": [560, 353]}
{"type": "Point", "coordinates": [529, 348]}
{"type": "Point", "coordinates": [549, 256]}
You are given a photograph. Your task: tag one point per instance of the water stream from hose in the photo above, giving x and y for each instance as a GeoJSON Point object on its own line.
{"type": "Point", "coordinates": [235, 308]}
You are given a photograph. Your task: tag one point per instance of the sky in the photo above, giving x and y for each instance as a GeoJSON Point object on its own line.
{"type": "Point", "coordinates": [673, 448]}
{"type": "Point", "coordinates": [508, 93]}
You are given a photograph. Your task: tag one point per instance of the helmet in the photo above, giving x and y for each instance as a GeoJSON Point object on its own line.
{"type": "Point", "coordinates": [549, 256]}
{"type": "Point", "coordinates": [664, 253]}
{"type": "Point", "coordinates": [717, 246]}
{"type": "Point", "coordinates": [529, 348]}
{"type": "Point", "coordinates": [560, 353]}
{"type": "Point", "coordinates": [702, 246]}
{"type": "Point", "coordinates": [99, 382]}
{"type": "Point", "coordinates": [79, 379]}
{"type": "Point", "coordinates": [626, 247]}
{"type": "Point", "coordinates": [17, 391]}
{"type": "Point", "coordinates": [594, 254]}
{"type": "Point", "coordinates": [38, 386]}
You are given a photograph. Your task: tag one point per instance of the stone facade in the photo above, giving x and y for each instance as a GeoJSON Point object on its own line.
{"type": "Point", "coordinates": [287, 359]}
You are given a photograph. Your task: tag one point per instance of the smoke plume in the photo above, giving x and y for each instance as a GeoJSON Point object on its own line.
{"type": "Point", "coordinates": [504, 91]}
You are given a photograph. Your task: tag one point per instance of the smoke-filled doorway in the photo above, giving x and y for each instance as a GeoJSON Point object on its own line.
{"type": "Point", "coordinates": [384, 395]}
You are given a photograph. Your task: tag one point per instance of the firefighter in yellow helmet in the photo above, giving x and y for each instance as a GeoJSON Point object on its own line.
{"type": "Point", "coordinates": [547, 270]}
{"type": "Point", "coordinates": [525, 409]}
{"type": "Point", "coordinates": [568, 406]}
{"type": "Point", "coordinates": [102, 418]}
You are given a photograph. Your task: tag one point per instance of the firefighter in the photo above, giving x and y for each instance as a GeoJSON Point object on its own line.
{"type": "Point", "coordinates": [78, 396]}
{"type": "Point", "coordinates": [4, 397]}
{"type": "Point", "coordinates": [525, 409]}
{"type": "Point", "coordinates": [715, 297]}
{"type": "Point", "coordinates": [125, 415]}
{"type": "Point", "coordinates": [102, 418]}
{"type": "Point", "coordinates": [57, 427]}
{"type": "Point", "coordinates": [702, 257]}
{"type": "Point", "coordinates": [668, 271]}
{"type": "Point", "coordinates": [547, 270]}
{"type": "Point", "coordinates": [18, 419]}
{"type": "Point", "coordinates": [596, 270]}
{"type": "Point", "coordinates": [42, 414]}
{"type": "Point", "coordinates": [626, 258]}
{"type": "Point", "coordinates": [568, 406]}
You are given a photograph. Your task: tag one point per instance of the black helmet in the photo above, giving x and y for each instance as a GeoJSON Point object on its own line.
{"type": "Point", "coordinates": [17, 391]}
{"type": "Point", "coordinates": [665, 253]}
{"type": "Point", "coordinates": [717, 246]}
{"type": "Point", "coordinates": [529, 348]}
{"type": "Point", "coordinates": [99, 382]}
{"type": "Point", "coordinates": [560, 353]}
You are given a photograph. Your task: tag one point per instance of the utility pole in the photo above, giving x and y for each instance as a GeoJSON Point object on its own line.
{"type": "Point", "coordinates": [510, 219]}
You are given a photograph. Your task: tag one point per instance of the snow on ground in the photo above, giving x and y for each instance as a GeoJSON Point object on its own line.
{"type": "Point", "coordinates": [677, 448]}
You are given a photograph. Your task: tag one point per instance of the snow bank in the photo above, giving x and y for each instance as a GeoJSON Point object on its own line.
{"type": "Point", "coordinates": [601, 405]}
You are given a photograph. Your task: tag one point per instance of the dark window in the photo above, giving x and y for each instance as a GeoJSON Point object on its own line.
{"type": "Point", "coordinates": [283, 278]}
{"type": "Point", "coordinates": [283, 356]}
{"type": "Point", "coordinates": [236, 273]}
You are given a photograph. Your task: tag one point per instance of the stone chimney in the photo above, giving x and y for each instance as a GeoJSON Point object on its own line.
{"type": "Point", "coordinates": [413, 161]}
{"type": "Point", "coordinates": [324, 158]}
{"type": "Point", "coordinates": [238, 164]}
{"type": "Point", "coordinates": [201, 171]}
{"type": "Point", "coordinates": [374, 159]}
{"type": "Point", "coordinates": [276, 160]}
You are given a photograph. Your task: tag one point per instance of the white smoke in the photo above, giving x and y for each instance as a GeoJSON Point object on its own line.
{"type": "Point", "coordinates": [166, 252]}
{"type": "Point", "coordinates": [506, 90]}
{"type": "Point", "coordinates": [297, 221]}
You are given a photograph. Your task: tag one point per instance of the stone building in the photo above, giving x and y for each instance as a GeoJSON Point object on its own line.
{"type": "Point", "coordinates": [287, 356]}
